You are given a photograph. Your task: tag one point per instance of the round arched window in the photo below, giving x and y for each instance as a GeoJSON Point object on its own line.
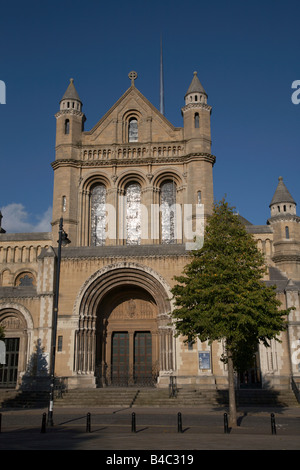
{"type": "Point", "coordinates": [133, 130]}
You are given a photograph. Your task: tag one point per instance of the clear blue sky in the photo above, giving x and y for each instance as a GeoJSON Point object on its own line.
{"type": "Point", "coordinates": [246, 55]}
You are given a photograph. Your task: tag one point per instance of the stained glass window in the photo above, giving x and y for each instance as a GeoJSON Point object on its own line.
{"type": "Point", "coordinates": [133, 214]}
{"type": "Point", "coordinates": [26, 280]}
{"type": "Point", "coordinates": [133, 130]}
{"type": "Point", "coordinates": [167, 207]}
{"type": "Point", "coordinates": [98, 215]}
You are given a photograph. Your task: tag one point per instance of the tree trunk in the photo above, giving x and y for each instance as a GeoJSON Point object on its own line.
{"type": "Point", "coordinates": [231, 391]}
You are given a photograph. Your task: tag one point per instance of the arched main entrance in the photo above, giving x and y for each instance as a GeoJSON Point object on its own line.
{"type": "Point", "coordinates": [125, 335]}
{"type": "Point", "coordinates": [127, 345]}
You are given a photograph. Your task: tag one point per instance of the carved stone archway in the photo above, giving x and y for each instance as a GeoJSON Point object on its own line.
{"type": "Point", "coordinates": [125, 297]}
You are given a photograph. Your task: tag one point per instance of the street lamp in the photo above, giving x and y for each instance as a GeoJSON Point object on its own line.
{"type": "Point", "coordinates": [62, 241]}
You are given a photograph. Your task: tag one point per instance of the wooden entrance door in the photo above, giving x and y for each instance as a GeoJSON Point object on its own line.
{"type": "Point", "coordinates": [142, 356]}
{"type": "Point", "coordinates": [120, 358]}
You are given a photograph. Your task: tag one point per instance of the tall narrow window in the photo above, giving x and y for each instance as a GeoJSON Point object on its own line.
{"type": "Point", "coordinates": [133, 214]}
{"type": "Point", "coordinates": [133, 130]}
{"type": "Point", "coordinates": [287, 233]}
{"type": "Point", "coordinates": [67, 126]}
{"type": "Point", "coordinates": [168, 216]}
{"type": "Point", "coordinates": [64, 203]}
{"type": "Point", "coordinates": [198, 198]}
{"type": "Point", "coordinates": [197, 121]}
{"type": "Point", "coordinates": [98, 215]}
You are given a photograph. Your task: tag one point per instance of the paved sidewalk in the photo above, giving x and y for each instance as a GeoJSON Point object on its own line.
{"type": "Point", "coordinates": [156, 429]}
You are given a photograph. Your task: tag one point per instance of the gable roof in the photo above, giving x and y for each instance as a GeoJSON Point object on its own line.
{"type": "Point", "coordinates": [132, 90]}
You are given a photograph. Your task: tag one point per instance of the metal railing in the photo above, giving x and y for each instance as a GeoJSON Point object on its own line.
{"type": "Point", "coordinates": [127, 378]}
{"type": "Point", "coordinates": [60, 386]}
{"type": "Point", "coordinates": [295, 387]}
{"type": "Point", "coordinates": [173, 387]}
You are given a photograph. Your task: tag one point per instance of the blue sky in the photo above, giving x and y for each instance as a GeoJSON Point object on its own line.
{"type": "Point", "coordinates": [246, 55]}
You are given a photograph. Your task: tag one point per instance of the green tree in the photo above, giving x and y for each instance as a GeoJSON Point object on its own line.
{"type": "Point", "coordinates": [2, 335]}
{"type": "Point", "coordinates": [221, 296]}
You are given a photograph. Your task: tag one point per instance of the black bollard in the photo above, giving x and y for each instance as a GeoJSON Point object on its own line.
{"type": "Point", "coordinates": [0, 421]}
{"type": "Point", "coordinates": [273, 425]}
{"type": "Point", "coordinates": [133, 423]}
{"type": "Point", "coordinates": [43, 428]}
{"type": "Point", "coordinates": [226, 429]}
{"type": "Point", "coordinates": [179, 422]}
{"type": "Point", "coordinates": [88, 422]}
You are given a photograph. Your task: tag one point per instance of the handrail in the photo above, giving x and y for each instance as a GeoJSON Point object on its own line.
{"type": "Point", "coordinates": [295, 389]}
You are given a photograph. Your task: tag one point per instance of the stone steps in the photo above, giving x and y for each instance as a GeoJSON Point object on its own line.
{"type": "Point", "coordinates": [23, 399]}
{"type": "Point", "coordinates": [184, 398]}
{"type": "Point", "coordinates": [99, 397]}
{"type": "Point", "coordinates": [160, 397]}
{"type": "Point", "coordinates": [147, 397]}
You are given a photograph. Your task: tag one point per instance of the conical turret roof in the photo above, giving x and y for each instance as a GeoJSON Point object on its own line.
{"type": "Point", "coordinates": [71, 93]}
{"type": "Point", "coordinates": [195, 86]}
{"type": "Point", "coordinates": [282, 194]}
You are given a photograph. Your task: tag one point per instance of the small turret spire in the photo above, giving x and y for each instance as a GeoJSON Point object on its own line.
{"type": "Point", "coordinates": [282, 194]}
{"type": "Point", "coordinates": [71, 99]}
{"type": "Point", "coordinates": [282, 201]}
{"type": "Point", "coordinates": [195, 86]}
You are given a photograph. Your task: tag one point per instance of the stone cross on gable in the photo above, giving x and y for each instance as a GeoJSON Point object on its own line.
{"type": "Point", "coordinates": [133, 76]}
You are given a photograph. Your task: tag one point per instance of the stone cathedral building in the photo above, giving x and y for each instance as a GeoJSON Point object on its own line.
{"type": "Point", "coordinates": [134, 193]}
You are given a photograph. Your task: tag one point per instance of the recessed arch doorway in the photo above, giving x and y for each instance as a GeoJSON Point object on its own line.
{"type": "Point", "coordinates": [127, 343]}
{"type": "Point", "coordinates": [124, 335]}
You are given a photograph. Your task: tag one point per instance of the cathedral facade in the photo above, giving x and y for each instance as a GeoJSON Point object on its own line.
{"type": "Point", "coordinates": [132, 195]}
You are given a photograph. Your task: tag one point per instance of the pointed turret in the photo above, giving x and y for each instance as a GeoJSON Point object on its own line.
{"type": "Point", "coordinates": [282, 201]}
{"type": "Point", "coordinates": [197, 140]}
{"type": "Point", "coordinates": [286, 233]}
{"type": "Point", "coordinates": [70, 119]}
{"type": "Point", "coordinates": [195, 91]}
{"type": "Point", "coordinates": [196, 118]}
{"type": "Point", "coordinates": [71, 99]}
{"type": "Point", "coordinates": [69, 131]}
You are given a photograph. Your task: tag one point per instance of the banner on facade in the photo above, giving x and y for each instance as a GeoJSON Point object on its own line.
{"type": "Point", "coordinates": [204, 360]}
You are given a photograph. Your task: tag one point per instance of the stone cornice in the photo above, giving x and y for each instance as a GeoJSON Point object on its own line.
{"type": "Point", "coordinates": [66, 221]}
{"type": "Point", "coordinates": [135, 161]}
{"type": "Point", "coordinates": [123, 251]}
{"type": "Point", "coordinates": [195, 106]}
{"type": "Point", "coordinates": [286, 257]}
{"type": "Point", "coordinates": [68, 111]}
{"type": "Point", "coordinates": [283, 218]}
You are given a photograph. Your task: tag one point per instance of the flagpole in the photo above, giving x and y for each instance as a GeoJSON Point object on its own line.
{"type": "Point", "coordinates": [162, 104]}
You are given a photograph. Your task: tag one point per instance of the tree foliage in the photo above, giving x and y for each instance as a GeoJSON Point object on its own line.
{"type": "Point", "coordinates": [221, 295]}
